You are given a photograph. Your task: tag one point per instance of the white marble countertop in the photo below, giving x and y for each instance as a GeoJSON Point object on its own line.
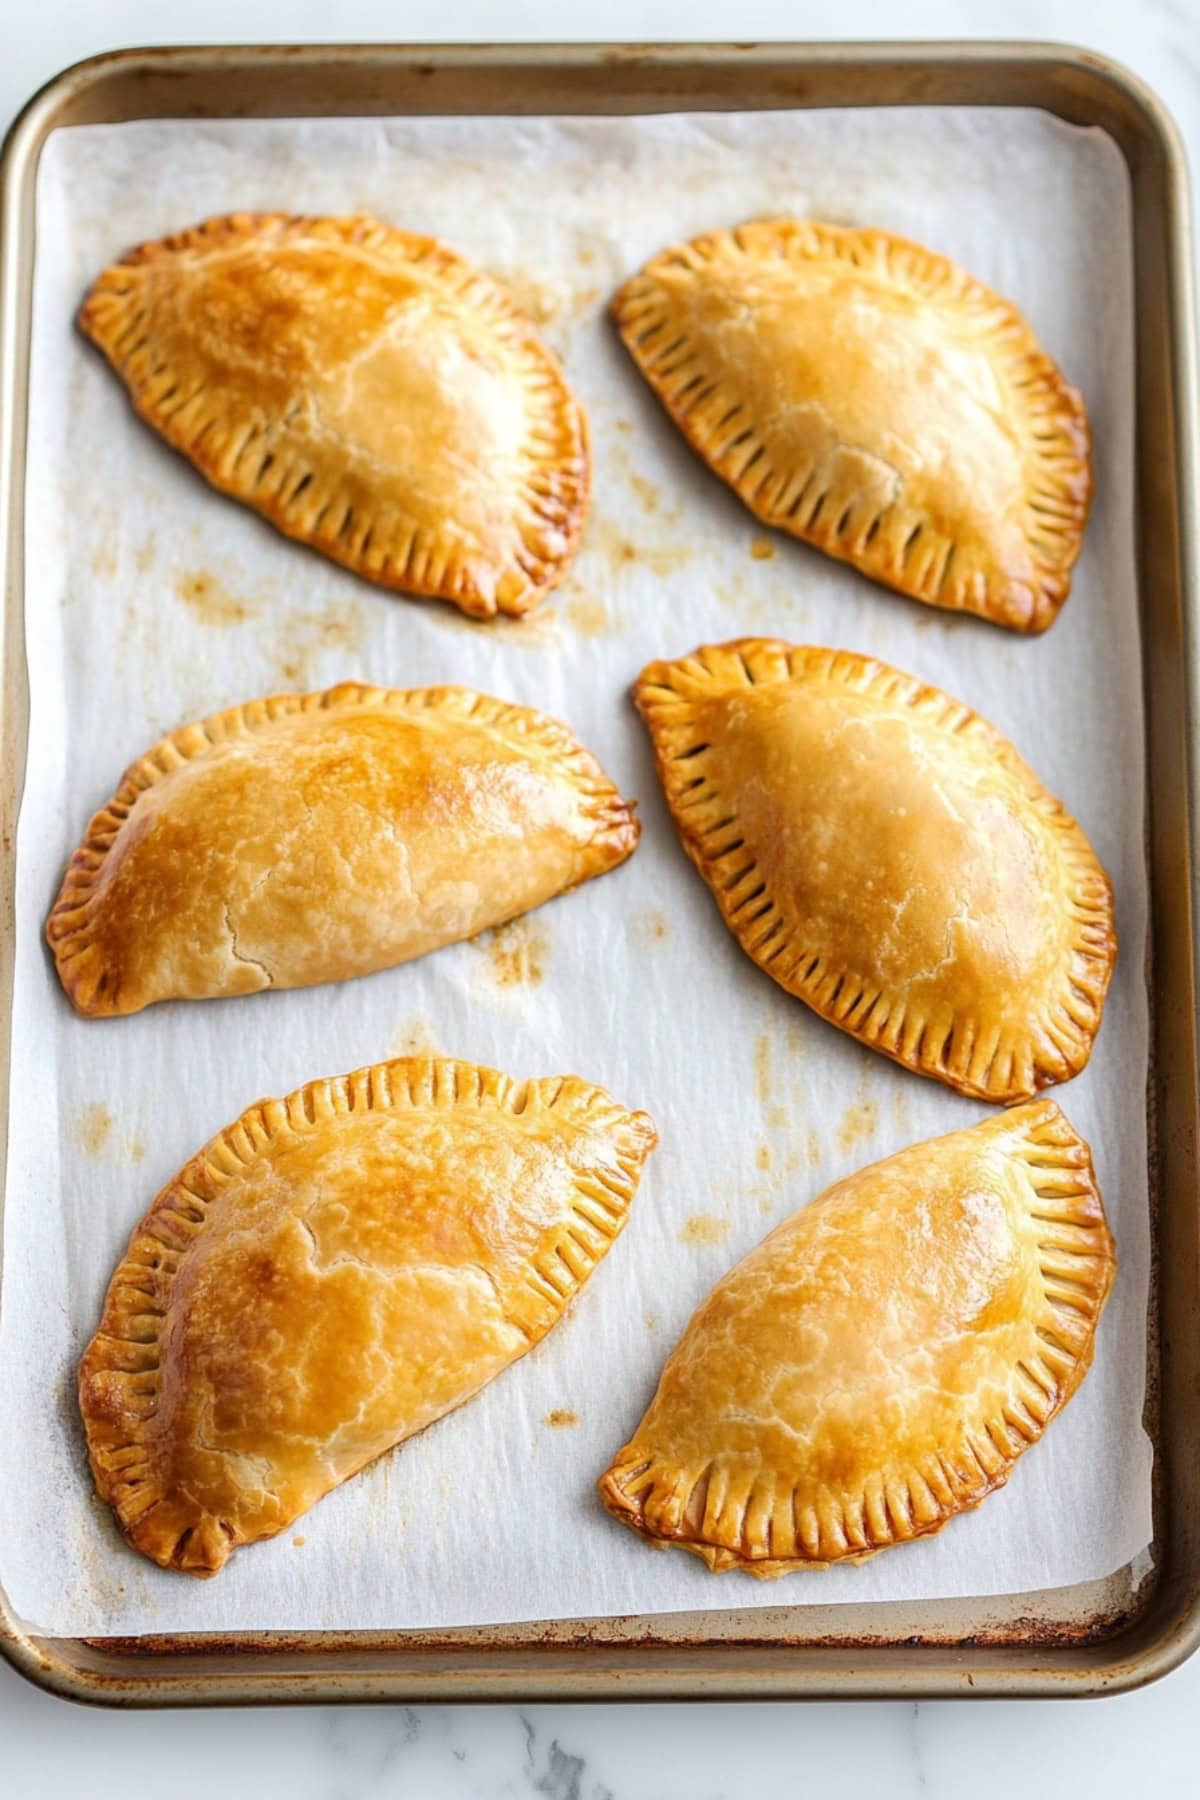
{"type": "Point", "coordinates": [607, 1753]}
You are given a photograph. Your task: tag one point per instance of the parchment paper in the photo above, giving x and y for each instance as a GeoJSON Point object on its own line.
{"type": "Point", "coordinates": [152, 600]}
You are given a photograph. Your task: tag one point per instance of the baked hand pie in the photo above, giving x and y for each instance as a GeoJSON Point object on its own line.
{"type": "Point", "coordinates": [876, 401]}
{"type": "Point", "coordinates": [370, 392]}
{"type": "Point", "coordinates": [878, 1364]}
{"type": "Point", "coordinates": [885, 855]}
{"type": "Point", "coordinates": [330, 1275]}
{"type": "Point", "coordinates": [311, 837]}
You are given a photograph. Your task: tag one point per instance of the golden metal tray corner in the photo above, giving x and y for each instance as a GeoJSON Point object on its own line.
{"type": "Point", "coordinates": [1102, 1637]}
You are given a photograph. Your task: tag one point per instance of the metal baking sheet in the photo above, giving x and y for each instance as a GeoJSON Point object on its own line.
{"type": "Point", "coordinates": [693, 1654]}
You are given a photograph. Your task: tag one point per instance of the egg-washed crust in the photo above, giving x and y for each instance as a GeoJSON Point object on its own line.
{"type": "Point", "coordinates": [804, 469]}
{"type": "Point", "coordinates": [498, 537]}
{"type": "Point", "coordinates": [968, 1050]}
{"type": "Point", "coordinates": [734, 1506]}
{"type": "Point", "coordinates": [158, 1325]}
{"type": "Point", "coordinates": [91, 947]}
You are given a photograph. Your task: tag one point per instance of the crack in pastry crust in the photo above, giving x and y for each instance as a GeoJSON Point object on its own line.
{"type": "Point", "coordinates": [874, 400]}
{"type": "Point", "coordinates": [885, 855]}
{"type": "Point", "coordinates": [331, 1274]}
{"type": "Point", "coordinates": [306, 838]}
{"type": "Point", "coordinates": [879, 1363]}
{"type": "Point", "coordinates": [369, 392]}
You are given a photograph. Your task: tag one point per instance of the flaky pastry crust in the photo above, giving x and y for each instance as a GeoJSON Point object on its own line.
{"type": "Point", "coordinates": [370, 392]}
{"type": "Point", "coordinates": [876, 401]}
{"type": "Point", "coordinates": [331, 1274]}
{"type": "Point", "coordinates": [311, 837]}
{"type": "Point", "coordinates": [878, 1364]}
{"type": "Point", "coordinates": [884, 854]}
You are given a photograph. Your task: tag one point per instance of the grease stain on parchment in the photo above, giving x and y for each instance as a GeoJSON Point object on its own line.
{"type": "Point", "coordinates": [773, 605]}
{"type": "Point", "coordinates": [762, 1067]}
{"type": "Point", "coordinates": [210, 602]}
{"type": "Point", "coordinates": [103, 561]}
{"type": "Point", "coordinates": [789, 1145]}
{"type": "Point", "coordinates": [95, 1132]}
{"type": "Point", "coordinates": [591, 618]}
{"type": "Point", "coordinates": [644, 491]}
{"type": "Point", "coordinates": [649, 927]}
{"type": "Point", "coordinates": [93, 1127]}
{"type": "Point", "coordinates": [704, 1228]}
{"type": "Point", "coordinates": [619, 551]}
{"type": "Point", "coordinates": [537, 630]}
{"type": "Point", "coordinates": [561, 1418]}
{"type": "Point", "coordinates": [859, 1122]}
{"type": "Point", "coordinates": [307, 637]}
{"type": "Point", "coordinates": [662, 516]}
{"type": "Point", "coordinates": [762, 549]}
{"type": "Point", "coordinates": [515, 955]}
{"type": "Point", "coordinates": [414, 1037]}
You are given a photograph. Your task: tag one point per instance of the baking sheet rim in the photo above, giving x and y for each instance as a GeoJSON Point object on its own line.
{"type": "Point", "coordinates": [41, 1660]}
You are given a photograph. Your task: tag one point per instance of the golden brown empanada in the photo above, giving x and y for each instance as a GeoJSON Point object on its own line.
{"type": "Point", "coordinates": [876, 401]}
{"type": "Point", "coordinates": [370, 392]}
{"type": "Point", "coordinates": [332, 1274]}
{"type": "Point", "coordinates": [878, 1364]}
{"type": "Point", "coordinates": [311, 837]}
{"type": "Point", "coordinates": [884, 854]}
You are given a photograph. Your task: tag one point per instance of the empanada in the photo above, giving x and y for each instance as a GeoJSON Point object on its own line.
{"type": "Point", "coordinates": [311, 837]}
{"type": "Point", "coordinates": [878, 1364]}
{"type": "Point", "coordinates": [330, 1275]}
{"type": "Point", "coordinates": [875, 400]}
{"type": "Point", "coordinates": [370, 392]}
{"type": "Point", "coordinates": [884, 854]}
